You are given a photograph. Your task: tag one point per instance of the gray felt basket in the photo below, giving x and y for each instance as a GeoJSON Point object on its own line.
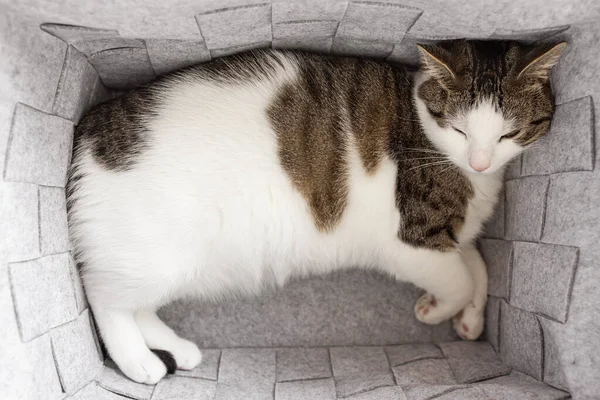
{"type": "Point", "coordinates": [348, 335]}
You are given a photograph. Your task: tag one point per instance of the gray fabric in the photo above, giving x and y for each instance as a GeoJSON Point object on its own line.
{"type": "Point", "coordinates": [519, 386]}
{"type": "Point", "coordinates": [568, 145]}
{"type": "Point", "coordinates": [76, 352]}
{"type": "Point", "coordinates": [126, 67]}
{"type": "Point", "coordinates": [316, 301]}
{"type": "Point", "coordinates": [377, 21]}
{"type": "Point", "coordinates": [80, 298]}
{"type": "Point", "coordinates": [382, 393]}
{"type": "Point", "coordinates": [525, 199]}
{"type": "Point", "coordinates": [92, 47]}
{"type": "Point", "coordinates": [572, 216]}
{"type": "Point", "coordinates": [50, 76]}
{"type": "Point", "coordinates": [444, 332]}
{"type": "Point", "coordinates": [94, 392]}
{"type": "Point", "coordinates": [302, 363]}
{"type": "Point", "coordinates": [169, 55]}
{"type": "Point", "coordinates": [306, 390]}
{"type": "Point", "coordinates": [31, 60]}
{"type": "Point", "coordinates": [39, 148]}
{"type": "Point", "coordinates": [513, 168]}
{"type": "Point", "coordinates": [243, 371]}
{"type": "Point", "coordinates": [495, 226]}
{"type": "Point", "coordinates": [308, 10]}
{"type": "Point", "coordinates": [423, 371]}
{"type": "Point", "coordinates": [54, 233]}
{"type": "Point", "coordinates": [492, 322]}
{"type": "Point", "coordinates": [530, 36]}
{"type": "Point", "coordinates": [318, 45]}
{"type": "Point", "coordinates": [253, 20]}
{"type": "Point", "coordinates": [359, 369]}
{"type": "Point", "coordinates": [358, 47]}
{"type": "Point", "coordinates": [473, 361]}
{"type": "Point", "coordinates": [238, 49]}
{"type": "Point", "coordinates": [76, 86]}
{"type": "Point", "coordinates": [470, 393]}
{"type": "Point", "coordinates": [404, 354]}
{"type": "Point", "coordinates": [308, 26]}
{"type": "Point", "coordinates": [553, 369]}
{"type": "Point", "coordinates": [113, 380]}
{"type": "Point", "coordinates": [429, 371]}
{"type": "Point", "coordinates": [304, 29]}
{"type": "Point", "coordinates": [498, 255]}
{"type": "Point", "coordinates": [578, 339]}
{"type": "Point", "coordinates": [428, 391]}
{"type": "Point", "coordinates": [521, 341]}
{"type": "Point", "coordinates": [19, 216]}
{"type": "Point", "coordinates": [34, 361]}
{"type": "Point", "coordinates": [542, 278]}
{"type": "Point", "coordinates": [182, 388]}
{"type": "Point", "coordinates": [43, 294]}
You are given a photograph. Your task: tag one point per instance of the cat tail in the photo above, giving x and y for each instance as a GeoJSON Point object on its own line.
{"type": "Point", "coordinates": [167, 359]}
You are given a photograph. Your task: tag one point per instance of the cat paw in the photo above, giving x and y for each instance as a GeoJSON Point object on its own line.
{"type": "Point", "coordinates": [426, 309]}
{"type": "Point", "coordinates": [469, 322]}
{"type": "Point", "coordinates": [186, 354]}
{"type": "Point", "coordinates": [145, 368]}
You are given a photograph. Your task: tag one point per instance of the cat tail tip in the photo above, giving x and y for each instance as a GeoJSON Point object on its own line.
{"type": "Point", "coordinates": [167, 359]}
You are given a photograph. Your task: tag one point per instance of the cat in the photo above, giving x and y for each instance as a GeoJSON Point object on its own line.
{"type": "Point", "coordinates": [257, 167]}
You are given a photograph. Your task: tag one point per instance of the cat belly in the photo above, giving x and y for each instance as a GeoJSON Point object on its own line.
{"type": "Point", "coordinates": [151, 240]}
{"type": "Point", "coordinates": [205, 225]}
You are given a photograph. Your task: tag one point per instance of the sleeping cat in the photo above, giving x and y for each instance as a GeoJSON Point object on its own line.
{"type": "Point", "coordinates": [272, 164]}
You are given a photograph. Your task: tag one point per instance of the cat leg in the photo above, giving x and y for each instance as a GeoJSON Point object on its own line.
{"type": "Point", "coordinates": [158, 335]}
{"type": "Point", "coordinates": [470, 321]}
{"type": "Point", "coordinates": [445, 277]}
{"type": "Point", "coordinates": [126, 346]}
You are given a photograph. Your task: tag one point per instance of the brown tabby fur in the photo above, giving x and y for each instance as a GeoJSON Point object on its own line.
{"type": "Point", "coordinates": [339, 101]}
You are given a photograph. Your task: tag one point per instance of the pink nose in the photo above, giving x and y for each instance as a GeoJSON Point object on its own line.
{"type": "Point", "coordinates": [479, 161]}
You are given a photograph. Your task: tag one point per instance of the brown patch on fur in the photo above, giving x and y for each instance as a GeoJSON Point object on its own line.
{"type": "Point", "coordinates": [115, 131]}
{"type": "Point", "coordinates": [312, 116]}
{"type": "Point", "coordinates": [372, 103]}
{"type": "Point", "coordinates": [308, 118]}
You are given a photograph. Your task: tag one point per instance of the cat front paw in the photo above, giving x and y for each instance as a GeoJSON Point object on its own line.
{"type": "Point", "coordinates": [469, 322]}
{"type": "Point", "coordinates": [426, 309]}
{"type": "Point", "coordinates": [187, 355]}
{"type": "Point", "coordinates": [143, 368]}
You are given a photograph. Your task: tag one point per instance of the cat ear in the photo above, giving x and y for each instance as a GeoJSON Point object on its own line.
{"type": "Point", "coordinates": [434, 62]}
{"type": "Point", "coordinates": [541, 61]}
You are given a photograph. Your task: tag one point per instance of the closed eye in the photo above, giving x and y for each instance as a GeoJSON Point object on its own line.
{"type": "Point", "coordinates": [510, 135]}
{"type": "Point", "coordinates": [541, 120]}
{"type": "Point", "coordinates": [459, 131]}
{"type": "Point", "coordinates": [435, 114]}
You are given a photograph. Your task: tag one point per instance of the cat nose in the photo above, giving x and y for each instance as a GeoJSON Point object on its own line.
{"type": "Point", "coordinates": [479, 161]}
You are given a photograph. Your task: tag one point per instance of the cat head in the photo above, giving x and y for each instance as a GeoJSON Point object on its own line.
{"type": "Point", "coordinates": [484, 102]}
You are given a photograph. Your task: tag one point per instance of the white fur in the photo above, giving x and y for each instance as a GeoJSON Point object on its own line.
{"type": "Point", "coordinates": [483, 126]}
{"type": "Point", "coordinates": [208, 211]}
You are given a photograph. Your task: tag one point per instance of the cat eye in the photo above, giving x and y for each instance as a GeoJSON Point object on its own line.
{"type": "Point", "coordinates": [510, 135]}
{"type": "Point", "coordinates": [459, 131]}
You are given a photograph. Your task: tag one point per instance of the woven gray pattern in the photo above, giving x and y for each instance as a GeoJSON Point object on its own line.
{"type": "Point", "coordinates": [347, 335]}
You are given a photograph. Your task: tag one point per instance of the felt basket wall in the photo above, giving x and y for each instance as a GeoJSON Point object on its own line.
{"type": "Point", "coordinates": [347, 335]}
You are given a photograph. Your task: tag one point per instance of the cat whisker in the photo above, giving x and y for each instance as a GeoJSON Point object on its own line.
{"type": "Point", "coordinates": [413, 149]}
{"type": "Point", "coordinates": [427, 158]}
{"type": "Point", "coordinates": [445, 162]}
{"type": "Point", "coordinates": [444, 170]}
{"type": "Point", "coordinates": [408, 119]}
